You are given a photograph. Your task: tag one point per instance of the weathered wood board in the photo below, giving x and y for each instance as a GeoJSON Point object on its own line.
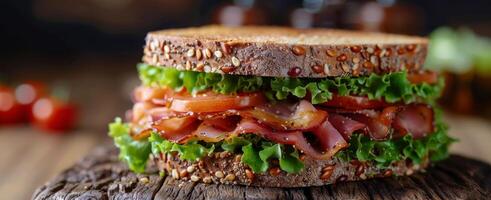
{"type": "Point", "coordinates": [101, 176]}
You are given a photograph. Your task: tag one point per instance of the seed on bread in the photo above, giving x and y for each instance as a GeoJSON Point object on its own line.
{"type": "Point", "coordinates": [226, 69]}
{"type": "Point", "coordinates": [342, 178]}
{"type": "Point", "coordinates": [218, 54]}
{"type": "Point", "coordinates": [249, 174]}
{"type": "Point", "coordinates": [166, 49]}
{"type": "Point", "coordinates": [275, 171]}
{"type": "Point", "coordinates": [235, 61]}
{"type": "Point", "coordinates": [355, 49]}
{"type": "Point", "coordinates": [298, 50]}
{"type": "Point", "coordinates": [219, 174]}
{"type": "Point", "coordinates": [331, 52]}
{"type": "Point", "coordinates": [199, 67]}
{"type": "Point", "coordinates": [207, 179]}
{"type": "Point", "coordinates": [317, 69]}
{"type": "Point", "coordinates": [183, 173]}
{"type": "Point", "coordinates": [345, 68]}
{"type": "Point", "coordinates": [194, 178]}
{"type": "Point", "coordinates": [190, 52]}
{"type": "Point", "coordinates": [356, 60]}
{"type": "Point", "coordinates": [198, 54]}
{"type": "Point", "coordinates": [175, 174]}
{"type": "Point", "coordinates": [230, 177]}
{"type": "Point", "coordinates": [226, 48]}
{"type": "Point", "coordinates": [342, 58]}
{"type": "Point", "coordinates": [190, 169]}
{"type": "Point", "coordinates": [207, 53]}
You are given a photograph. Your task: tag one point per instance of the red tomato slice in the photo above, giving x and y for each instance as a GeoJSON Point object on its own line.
{"type": "Point", "coordinates": [354, 102]}
{"type": "Point", "coordinates": [211, 102]}
{"type": "Point", "coordinates": [429, 77]}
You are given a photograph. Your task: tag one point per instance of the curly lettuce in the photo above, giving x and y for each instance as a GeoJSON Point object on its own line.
{"type": "Point", "coordinates": [134, 153]}
{"type": "Point", "coordinates": [383, 153]}
{"type": "Point", "coordinates": [392, 87]}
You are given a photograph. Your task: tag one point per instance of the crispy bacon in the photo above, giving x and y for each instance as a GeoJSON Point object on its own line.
{"type": "Point", "coordinates": [176, 129]}
{"type": "Point", "coordinates": [309, 129]}
{"type": "Point", "coordinates": [297, 138]}
{"type": "Point", "coordinates": [354, 102]}
{"type": "Point", "coordinates": [414, 119]}
{"type": "Point", "coordinates": [304, 117]}
{"type": "Point", "coordinates": [330, 140]}
{"type": "Point", "coordinates": [345, 125]}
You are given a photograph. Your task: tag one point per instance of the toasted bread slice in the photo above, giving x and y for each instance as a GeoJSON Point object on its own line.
{"type": "Point", "coordinates": [227, 168]}
{"type": "Point", "coordinates": [283, 52]}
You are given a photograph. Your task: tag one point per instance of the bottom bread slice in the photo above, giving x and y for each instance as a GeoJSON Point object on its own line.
{"type": "Point", "coordinates": [227, 168]}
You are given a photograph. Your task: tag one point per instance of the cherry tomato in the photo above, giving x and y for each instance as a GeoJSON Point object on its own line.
{"type": "Point", "coordinates": [27, 93]}
{"type": "Point", "coordinates": [54, 115]}
{"type": "Point", "coordinates": [10, 110]}
{"type": "Point", "coordinates": [212, 102]}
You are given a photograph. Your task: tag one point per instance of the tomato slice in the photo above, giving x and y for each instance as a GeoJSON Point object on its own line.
{"type": "Point", "coordinates": [354, 102]}
{"type": "Point", "coordinates": [429, 77]}
{"type": "Point", "coordinates": [212, 102]}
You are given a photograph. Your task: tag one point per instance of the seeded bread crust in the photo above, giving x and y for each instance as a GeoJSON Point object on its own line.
{"type": "Point", "coordinates": [284, 52]}
{"type": "Point", "coordinates": [226, 168]}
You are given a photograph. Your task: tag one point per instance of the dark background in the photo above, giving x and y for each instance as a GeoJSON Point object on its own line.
{"type": "Point", "coordinates": [70, 27]}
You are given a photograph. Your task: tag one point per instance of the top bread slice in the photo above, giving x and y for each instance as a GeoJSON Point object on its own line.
{"type": "Point", "coordinates": [284, 52]}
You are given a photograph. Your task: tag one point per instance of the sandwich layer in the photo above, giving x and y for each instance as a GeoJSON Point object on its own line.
{"type": "Point", "coordinates": [227, 168]}
{"type": "Point", "coordinates": [183, 118]}
{"type": "Point", "coordinates": [284, 52]}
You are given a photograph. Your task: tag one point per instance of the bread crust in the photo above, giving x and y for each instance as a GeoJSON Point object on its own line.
{"type": "Point", "coordinates": [226, 168]}
{"type": "Point", "coordinates": [284, 52]}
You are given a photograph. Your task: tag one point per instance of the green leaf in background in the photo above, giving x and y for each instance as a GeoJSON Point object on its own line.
{"type": "Point", "coordinates": [459, 51]}
{"type": "Point", "coordinates": [392, 87]}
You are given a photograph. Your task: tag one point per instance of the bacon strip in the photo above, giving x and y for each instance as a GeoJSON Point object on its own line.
{"type": "Point", "coordinates": [345, 125]}
{"type": "Point", "coordinates": [286, 123]}
{"type": "Point", "coordinates": [304, 117]}
{"type": "Point", "coordinates": [297, 138]}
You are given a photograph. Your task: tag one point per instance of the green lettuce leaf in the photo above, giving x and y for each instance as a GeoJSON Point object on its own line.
{"type": "Point", "coordinates": [383, 153]}
{"type": "Point", "coordinates": [133, 152]}
{"type": "Point", "coordinates": [392, 87]}
{"type": "Point", "coordinates": [191, 151]}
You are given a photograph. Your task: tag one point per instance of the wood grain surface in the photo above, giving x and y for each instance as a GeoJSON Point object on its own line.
{"type": "Point", "coordinates": [101, 176]}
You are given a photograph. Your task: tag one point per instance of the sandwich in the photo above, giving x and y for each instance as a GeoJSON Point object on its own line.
{"type": "Point", "coordinates": [282, 107]}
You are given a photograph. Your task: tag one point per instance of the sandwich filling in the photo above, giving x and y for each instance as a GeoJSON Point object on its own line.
{"type": "Point", "coordinates": [378, 118]}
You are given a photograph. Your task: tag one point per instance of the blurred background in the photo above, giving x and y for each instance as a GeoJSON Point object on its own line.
{"type": "Point", "coordinates": [81, 55]}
